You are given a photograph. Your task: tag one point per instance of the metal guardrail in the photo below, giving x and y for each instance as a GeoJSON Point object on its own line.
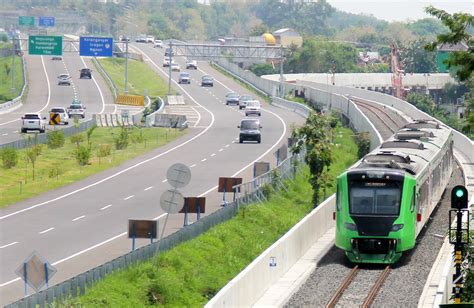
{"type": "Point", "coordinates": [104, 74]}
{"type": "Point", "coordinates": [43, 138]}
{"type": "Point", "coordinates": [250, 192]}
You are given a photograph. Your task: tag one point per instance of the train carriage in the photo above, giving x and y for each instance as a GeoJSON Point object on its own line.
{"type": "Point", "coordinates": [383, 202]}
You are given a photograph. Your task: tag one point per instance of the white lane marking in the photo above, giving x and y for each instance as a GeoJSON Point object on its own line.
{"type": "Point", "coordinates": [227, 145]}
{"type": "Point", "coordinates": [129, 197]}
{"type": "Point", "coordinates": [193, 165]}
{"type": "Point", "coordinates": [15, 131]}
{"type": "Point", "coordinates": [105, 207]}
{"type": "Point", "coordinates": [80, 252]}
{"type": "Point", "coordinates": [148, 188]}
{"type": "Point", "coordinates": [6, 134]}
{"type": "Point", "coordinates": [199, 116]}
{"type": "Point", "coordinates": [164, 181]}
{"type": "Point", "coordinates": [213, 154]}
{"type": "Point", "coordinates": [204, 159]}
{"type": "Point", "coordinates": [47, 230]}
{"type": "Point", "coordinates": [220, 150]}
{"type": "Point", "coordinates": [80, 217]}
{"type": "Point", "coordinates": [261, 156]}
{"type": "Point", "coordinates": [8, 245]}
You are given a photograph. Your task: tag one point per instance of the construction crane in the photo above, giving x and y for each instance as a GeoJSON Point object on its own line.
{"type": "Point", "coordinates": [397, 72]}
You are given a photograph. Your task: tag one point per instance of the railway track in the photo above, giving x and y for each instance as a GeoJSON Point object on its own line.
{"type": "Point", "coordinates": [381, 114]}
{"type": "Point", "coordinates": [348, 281]}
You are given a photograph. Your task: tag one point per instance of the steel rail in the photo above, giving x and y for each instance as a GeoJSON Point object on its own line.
{"type": "Point", "coordinates": [345, 283]}
{"type": "Point", "coordinates": [376, 287]}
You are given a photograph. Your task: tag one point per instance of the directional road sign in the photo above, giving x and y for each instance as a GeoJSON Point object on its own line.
{"type": "Point", "coordinates": [90, 46]}
{"type": "Point", "coordinates": [46, 21]}
{"type": "Point", "coordinates": [26, 21]}
{"type": "Point", "coordinates": [45, 45]}
{"type": "Point", "coordinates": [36, 271]}
{"type": "Point", "coordinates": [54, 118]}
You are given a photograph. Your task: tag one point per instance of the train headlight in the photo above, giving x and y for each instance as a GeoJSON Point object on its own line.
{"type": "Point", "coordinates": [397, 227]}
{"type": "Point", "coordinates": [350, 226]}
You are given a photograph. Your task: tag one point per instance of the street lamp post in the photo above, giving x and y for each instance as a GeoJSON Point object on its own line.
{"type": "Point", "coordinates": [169, 67]}
{"type": "Point", "coordinates": [125, 91]}
{"type": "Point", "coordinates": [13, 64]}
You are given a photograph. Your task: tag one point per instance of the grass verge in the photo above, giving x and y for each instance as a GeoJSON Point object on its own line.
{"type": "Point", "coordinates": [58, 167]}
{"type": "Point", "coordinates": [142, 80]}
{"type": "Point", "coordinates": [6, 93]}
{"type": "Point", "coordinates": [193, 272]}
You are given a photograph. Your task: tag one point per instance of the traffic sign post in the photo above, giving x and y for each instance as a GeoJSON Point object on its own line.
{"type": "Point", "coordinates": [36, 272]}
{"type": "Point", "coordinates": [45, 45]}
{"type": "Point", "coordinates": [90, 46]}
{"type": "Point", "coordinates": [193, 205]}
{"type": "Point", "coordinates": [46, 21]}
{"type": "Point", "coordinates": [26, 21]}
{"type": "Point", "coordinates": [54, 118]}
{"type": "Point", "coordinates": [458, 235]}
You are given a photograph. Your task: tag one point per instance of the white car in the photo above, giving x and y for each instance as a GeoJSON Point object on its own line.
{"type": "Point", "coordinates": [166, 62]}
{"type": "Point", "coordinates": [64, 79]}
{"type": "Point", "coordinates": [191, 64]}
{"type": "Point", "coordinates": [33, 121]}
{"type": "Point", "coordinates": [184, 78]}
{"type": "Point", "coordinates": [175, 67]}
{"type": "Point", "coordinates": [243, 99]}
{"type": "Point", "coordinates": [63, 115]}
{"type": "Point", "coordinates": [76, 109]}
{"type": "Point", "coordinates": [252, 107]}
{"type": "Point", "coordinates": [158, 44]}
{"type": "Point", "coordinates": [150, 39]}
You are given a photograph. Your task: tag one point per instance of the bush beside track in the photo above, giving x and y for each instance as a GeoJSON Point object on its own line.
{"type": "Point", "coordinates": [192, 273]}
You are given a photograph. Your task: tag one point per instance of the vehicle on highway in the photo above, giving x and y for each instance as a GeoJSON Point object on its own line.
{"type": "Point", "coordinates": [150, 39]}
{"type": "Point", "coordinates": [64, 79]}
{"type": "Point", "coordinates": [184, 78]}
{"type": "Point", "coordinates": [123, 38]}
{"type": "Point", "coordinates": [386, 199]}
{"type": "Point", "coordinates": [140, 39]}
{"type": "Point", "coordinates": [232, 98]}
{"type": "Point", "coordinates": [56, 58]}
{"type": "Point", "coordinates": [158, 44]}
{"type": "Point", "coordinates": [252, 107]}
{"type": "Point", "coordinates": [85, 73]}
{"type": "Point", "coordinates": [76, 109]}
{"type": "Point", "coordinates": [175, 67]}
{"type": "Point", "coordinates": [243, 100]}
{"type": "Point", "coordinates": [169, 52]}
{"type": "Point", "coordinates": [33, 121]}
{"type": "Point", "coordinates": [191, 64]}
{"type": "Point", "coordinates": [63, 114]}
{"type": "Point", "coordinates": [250, 129]}
{"type": "Point", "coordinates": [207, 81]}
{"type": "Point", "coordinates": [166, 62]}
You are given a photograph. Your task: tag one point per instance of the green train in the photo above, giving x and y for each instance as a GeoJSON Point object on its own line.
{"type": "Point", "coordinates": [384, 200]}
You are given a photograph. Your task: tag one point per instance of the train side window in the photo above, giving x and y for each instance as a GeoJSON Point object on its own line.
{"type": "Point", "coordinates": [413, 200]}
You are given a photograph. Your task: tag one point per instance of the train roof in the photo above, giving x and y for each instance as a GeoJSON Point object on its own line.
{"type": "Point", "coordinates": [411, 149]}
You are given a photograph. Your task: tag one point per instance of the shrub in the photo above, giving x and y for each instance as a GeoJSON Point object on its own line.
{"type": "Point", "coordinates": [83, 154]}
{"type": "Point", "coordinates": [77, 139]}
{"type": "Point", "coordinates": [104, 150]}
{"type": "Point", "coordinates": [363, 142]}
{"type": "Point", "coordinates": [9, 157]}
{"type": "Point", "coordinates": [56, 139]}
{"type": "Point", "coordinates": [121, 142]}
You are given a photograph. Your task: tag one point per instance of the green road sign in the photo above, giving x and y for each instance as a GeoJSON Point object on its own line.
{"type": "Point", "coordinates": [45, 45]}
{"type": "Point", "coordinates": [26, 21]}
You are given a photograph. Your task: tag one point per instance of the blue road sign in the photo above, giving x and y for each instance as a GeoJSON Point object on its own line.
{"type": "Point", "coordinates": [90, 46]}
{"type": "Point", "coordinates": [45, 21]}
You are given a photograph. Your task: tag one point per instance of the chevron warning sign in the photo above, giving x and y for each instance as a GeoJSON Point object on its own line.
{"type": "Point", "coordinates": [132, 100]}
{"type": "Point", "coordinates": [54, 118]}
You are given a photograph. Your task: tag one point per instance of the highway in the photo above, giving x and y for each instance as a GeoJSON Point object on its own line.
{"type": "Point", "coordinates": [44, 92]}
{"type": "Point", "coordinates": [84, 224]}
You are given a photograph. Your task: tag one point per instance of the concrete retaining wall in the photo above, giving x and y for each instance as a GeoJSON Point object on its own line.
{"type": "Point", "coordinates": [247, 287]}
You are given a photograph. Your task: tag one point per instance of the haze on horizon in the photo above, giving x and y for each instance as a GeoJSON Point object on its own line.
{"type": "Point", "coordinates": [401, 10]}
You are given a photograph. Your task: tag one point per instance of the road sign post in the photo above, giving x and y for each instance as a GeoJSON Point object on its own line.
{"type": "Point", "coordinates": [45, 45]}
{"type": "Point", "coordinates": [90, 46]}
{"type": "Point", "coordinates": [36, 272]}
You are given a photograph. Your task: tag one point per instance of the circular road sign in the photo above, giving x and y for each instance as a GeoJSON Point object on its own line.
{"type": "Point", "coordinates": [172, 201]}
{"type": "Point", "coordinates": [178, 175]}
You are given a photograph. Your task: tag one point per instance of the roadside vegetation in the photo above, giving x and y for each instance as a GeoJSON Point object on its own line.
{"type": "Point", "coordinates": [190, 274]}
{"type": "Point", "coordinates": [42, 167]}
{"type": "Point", "coordinates": [6, 92]}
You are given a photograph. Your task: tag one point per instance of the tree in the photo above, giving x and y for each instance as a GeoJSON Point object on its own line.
{"type": "Point", "coordinates": [32, 154]}
{"type": "Point", "coordinates": [315, 138]}
{"type": "Point", "coordinates": [459, 25]}
{"type": "Point", "coordinates": [416, 59]}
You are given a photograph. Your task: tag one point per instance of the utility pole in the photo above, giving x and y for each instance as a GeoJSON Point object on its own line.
{"type": "Point", "coordinates": [281, 72]}
{"type": "Point", "coordinates": [13, 63]}
{"type": "Point", "coordinates": [126, 66]}
{"type": "Point", "coordinates": [169, 67]}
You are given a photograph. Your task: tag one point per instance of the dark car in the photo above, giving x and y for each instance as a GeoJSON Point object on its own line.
{"type": "Point", "coordinates": [57, 58]}
{"type": "Point", "coordinates": [250, 130]}
{"type": "Point", "coordinates": [207, 81]}
{"type": "Point", "coordinates": [86, 73]}
{"type": "Point", "coordinates": [232, 98]}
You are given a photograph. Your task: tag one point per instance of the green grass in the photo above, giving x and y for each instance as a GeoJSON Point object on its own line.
{"type": "Point", "coordinates": [193, 272]}
{"type": "Point", "coordinates": [142, 80]}
{"type": "Point", "coordinates": [55, 168]}
{"type": "Point", "coordinates": [6, 93]}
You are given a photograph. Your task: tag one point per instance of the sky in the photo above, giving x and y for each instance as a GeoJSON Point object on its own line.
{"type": "Point", "coordinates": [401, 10]}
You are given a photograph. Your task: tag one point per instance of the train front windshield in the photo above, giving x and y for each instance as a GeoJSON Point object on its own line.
{"type": "Point", "coordinates": [375, 198]}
